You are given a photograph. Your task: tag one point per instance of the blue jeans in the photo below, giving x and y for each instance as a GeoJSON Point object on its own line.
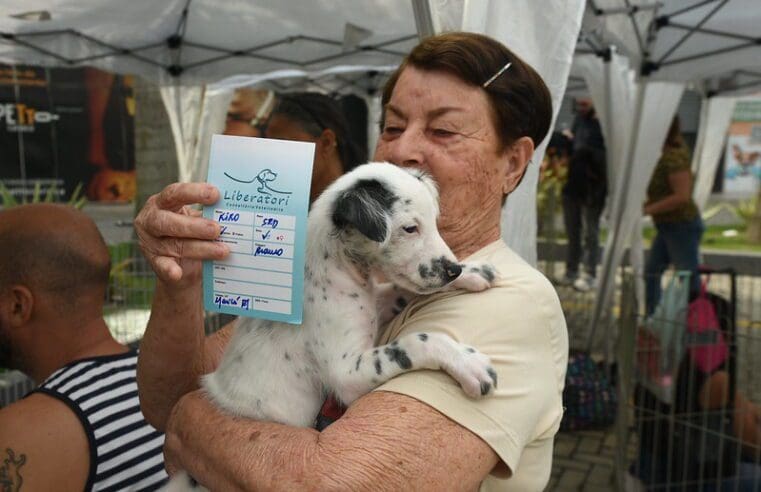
{"type": "Point", "coordinates": [676, 243]}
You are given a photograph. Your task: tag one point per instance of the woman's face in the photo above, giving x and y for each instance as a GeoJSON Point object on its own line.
{"type": "Point", "coordinates": [243, 108]}
{"type": "Point", "coordinates": [327, 165]}
{"type": "Point", "coordinates": [437, 123]}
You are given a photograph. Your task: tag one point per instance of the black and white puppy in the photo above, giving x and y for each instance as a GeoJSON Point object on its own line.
{"type": "Point", "coordinates": [379, 218]}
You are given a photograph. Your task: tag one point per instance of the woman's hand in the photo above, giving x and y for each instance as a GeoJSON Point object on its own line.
{"type": "Point", "coordinates": [174, 237]}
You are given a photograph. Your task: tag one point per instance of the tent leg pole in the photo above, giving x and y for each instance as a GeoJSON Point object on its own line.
{"type": "Point", "coordinates": [603, 291]}
{"type": "Point", "coordinates": [423, 18]}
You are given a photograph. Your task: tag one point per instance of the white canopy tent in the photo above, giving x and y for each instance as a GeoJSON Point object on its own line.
{"type": "Point", "coordinates": [198, 112]}
{"type": "Point", "coordinates": [194, 42]}
{"type": "Point", "coordinates": [517, 25]}
{"type": "Point", "coordinates": [615, 91]}
{"type": "Point", "coordinates": [710, 45]}
{"type": "Point", "coordinates": [199, 50]}
{"type": "Point", "coordinates": [715, 116]}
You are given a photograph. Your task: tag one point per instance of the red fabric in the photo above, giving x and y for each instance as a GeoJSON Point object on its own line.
{"type": "Point", "coordinates": [331, 409]}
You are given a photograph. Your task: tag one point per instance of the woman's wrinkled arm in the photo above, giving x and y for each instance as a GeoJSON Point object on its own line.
{"type": "Point", "coordinates": [174, 352]}
{"type": "Point", "coordinates": [385, 441]}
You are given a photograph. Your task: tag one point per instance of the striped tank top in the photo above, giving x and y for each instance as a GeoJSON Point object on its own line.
{"type": "Point", "coordinates": [125, 451]}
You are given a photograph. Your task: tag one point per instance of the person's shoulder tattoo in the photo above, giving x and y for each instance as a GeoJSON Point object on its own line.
{"type": "Point", "coordinates": [10, 471]}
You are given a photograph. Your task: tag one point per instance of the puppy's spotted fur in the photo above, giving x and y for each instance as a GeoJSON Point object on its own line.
{"type": "Point", "coordinates": [377, 218]}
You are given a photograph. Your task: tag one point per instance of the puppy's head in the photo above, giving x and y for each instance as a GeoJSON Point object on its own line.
{"type": "Point", "coordinates": [386, 218]}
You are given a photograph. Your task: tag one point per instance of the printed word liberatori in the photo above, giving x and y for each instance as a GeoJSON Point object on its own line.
{"type": "Point", "coordinates": [239, 196]}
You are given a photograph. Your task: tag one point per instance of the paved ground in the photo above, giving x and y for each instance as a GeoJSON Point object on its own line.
{"type": "Point", "coordinates": [584, 461]}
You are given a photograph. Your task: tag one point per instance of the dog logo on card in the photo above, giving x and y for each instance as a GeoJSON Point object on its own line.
{"type": "Point", "coordinates": [264, 178]}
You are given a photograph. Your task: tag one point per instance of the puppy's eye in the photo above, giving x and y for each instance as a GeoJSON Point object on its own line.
{"type": "Point", "coordinates": [410, 229]}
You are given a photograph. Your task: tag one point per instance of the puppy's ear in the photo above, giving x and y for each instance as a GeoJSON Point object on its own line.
{"type": "Point", "coordinates": [366, 206]}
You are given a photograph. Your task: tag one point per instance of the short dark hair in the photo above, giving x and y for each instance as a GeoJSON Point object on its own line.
{"type": "Point", "coordinates": [559, 145]}
{"type": "Point", "coordinates": [53, 264]}
{"type": "Point", "coordinates": [315, 112]}
{"type": "Point", "coordinates": [520, 100]}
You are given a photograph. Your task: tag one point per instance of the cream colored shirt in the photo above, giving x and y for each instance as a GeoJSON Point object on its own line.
{"type": "Point", "coordinates": [520, 325]}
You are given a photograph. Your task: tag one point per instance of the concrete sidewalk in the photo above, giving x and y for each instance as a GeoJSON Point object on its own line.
{"type": "Point", "coordinates": [584, 461]}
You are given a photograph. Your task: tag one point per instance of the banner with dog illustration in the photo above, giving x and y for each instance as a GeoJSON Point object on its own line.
{"type": "Point", "coordinates": [264, 200]}
{"type": "Point", "coordinates": [743, 153]}
{"type": "Point", "coordinates": [65, 128]}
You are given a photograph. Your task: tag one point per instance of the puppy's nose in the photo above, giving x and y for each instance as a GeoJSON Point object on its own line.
{"type": "Point", "coordinates": [453, 270]}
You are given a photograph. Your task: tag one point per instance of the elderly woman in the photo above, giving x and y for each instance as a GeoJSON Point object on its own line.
{"type": "Point", "coordinates": [469, 112]}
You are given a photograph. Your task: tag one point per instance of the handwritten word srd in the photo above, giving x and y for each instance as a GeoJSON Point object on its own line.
{"type": "Point", "coordinates": [269, 222]}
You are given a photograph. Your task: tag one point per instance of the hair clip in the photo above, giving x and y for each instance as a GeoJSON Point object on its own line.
{"type": "Point", "coordinates": [499, 72]}
{"type": "Point", "coordinates": [264, 109]}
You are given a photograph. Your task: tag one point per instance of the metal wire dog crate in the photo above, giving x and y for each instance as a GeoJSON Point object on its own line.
{"type": "Point", "coordinates": [693, 422]}
{"type": "Point", "coordinates": [130, 294]}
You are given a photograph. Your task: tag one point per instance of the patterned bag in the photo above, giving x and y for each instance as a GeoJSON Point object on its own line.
{"type": "Point", "coordinates": [588, 397]}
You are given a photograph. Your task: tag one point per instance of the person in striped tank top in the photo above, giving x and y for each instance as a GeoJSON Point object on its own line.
{"type": "Point", "coordinates": [81, 428]}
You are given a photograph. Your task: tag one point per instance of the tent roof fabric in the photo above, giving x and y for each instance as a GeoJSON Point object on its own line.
{"type": "Point", "coordinates": [201, 41]}
{"type": "Point", "coordinates": [714, 42]}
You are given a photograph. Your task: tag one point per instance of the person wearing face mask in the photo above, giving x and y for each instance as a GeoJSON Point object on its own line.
{"type": "Point", "coordinates": [467, 110]}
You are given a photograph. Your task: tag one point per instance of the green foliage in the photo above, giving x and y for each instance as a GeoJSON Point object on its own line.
{"type": "Point", "coordinates": [716, 237]}
{"type": "Point", "coordinates": [551, 180]}
{"type": "Point", "coordinates": [77, 200]}
{"type": "Point", "coordinates": [746, 209]}
{"type": "Point", "coordinates": [8, 199]}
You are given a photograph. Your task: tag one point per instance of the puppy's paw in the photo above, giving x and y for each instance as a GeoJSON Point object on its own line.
{"type": "Point", "coordinates": [474, 372]}
{"type": "Point", "coordinates": [476, 276]}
